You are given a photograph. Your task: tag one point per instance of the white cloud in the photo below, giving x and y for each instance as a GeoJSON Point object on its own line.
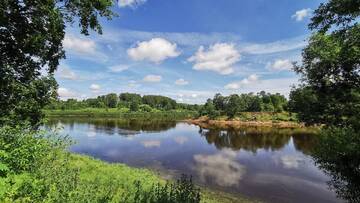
{"type": "Point", "coordinates": [274, 85]}
{"type": "Point", "coordinates": [221, 167]}
{"type": "Point", "coordinates": [280, 65]}
{"type": "Point", "coordinates": [65, 93]}
{"type": "Point", "coordinates": [301, 14]}
{"type": "Point", "coordinates": [79, 46]}
{"type": "Point", "coordinates": [95, 87]}
{"type": "Point", "coordinates": [130, 3]}
{"type": "Point", "coordinates": [118, 68]}
{"type": "Point", "coordinates": [152, 78]}
{"type": "Point", "coordinates": [65, 72]}
{"type": "Point", "coordinates": [275, 47]}
{"type": "Point", "coordinates": [244, 82]}
{"type": "Point", "coordinates": [155, 50]}
{"type": "Point", "coordinates": [219, 58]}
{"type": "Point", "coordinates": [181, 81]}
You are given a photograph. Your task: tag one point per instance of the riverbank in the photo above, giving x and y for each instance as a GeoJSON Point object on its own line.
{"type": "Point", "coordinates": [96, 171]}
{"type": "Point", "coordinates": [117, 113]}
{"type": "Point", "coordinates": [223, 123]}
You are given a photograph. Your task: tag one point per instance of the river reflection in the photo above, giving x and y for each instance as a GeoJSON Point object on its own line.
{"type": "Point", "coordinates": [253, 139]}
{"type": "Point", "coordinates": [263, 163]}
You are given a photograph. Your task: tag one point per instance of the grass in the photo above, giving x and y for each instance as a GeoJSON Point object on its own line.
{"type": "Point", "coordinates": [123, 177]}
{"type": "Point", "coordinates": [118, 113]}
{"type": "Point", "coordinates": [264, 116]}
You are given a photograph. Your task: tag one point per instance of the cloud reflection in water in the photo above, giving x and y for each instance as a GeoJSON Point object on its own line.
{"type": "Point", "coordinates": [151, 143]}
{"type": "Point", "coordinates": [222, 167]}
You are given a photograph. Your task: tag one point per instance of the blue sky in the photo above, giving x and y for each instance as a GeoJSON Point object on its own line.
{"type": "Point", "coordinates": [188, 49]}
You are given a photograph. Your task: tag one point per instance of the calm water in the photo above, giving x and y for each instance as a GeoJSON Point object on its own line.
{"type": "Point", "coordinates": [271, 165]}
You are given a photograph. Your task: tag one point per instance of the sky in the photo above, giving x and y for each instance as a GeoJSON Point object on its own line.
{"type": "Point", "coordinates": [188, 49]}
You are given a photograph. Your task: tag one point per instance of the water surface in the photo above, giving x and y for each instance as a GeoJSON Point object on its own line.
{"type": "Point", "coordinates": [268, 164]}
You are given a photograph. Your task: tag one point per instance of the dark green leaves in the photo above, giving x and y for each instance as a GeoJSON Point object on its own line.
{"type": "Point", "coordinates": [31, 35]}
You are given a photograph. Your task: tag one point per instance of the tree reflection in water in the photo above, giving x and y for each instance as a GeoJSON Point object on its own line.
{"type": "Point", "coordinates": [252, 139]}
{"type": "Point", "coordinates": [338, 154]}
{"type": "Point", "coordinates": [335, 151]}
{"type": "Point", "coordinates": [117, 126]}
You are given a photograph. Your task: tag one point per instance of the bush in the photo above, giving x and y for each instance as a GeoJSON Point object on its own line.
{"type": "Point", "coordinates": [181, 191]}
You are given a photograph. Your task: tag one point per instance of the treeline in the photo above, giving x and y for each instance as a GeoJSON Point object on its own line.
{"type": "Point", "coordinates": [233, 104]}
{"type": "Point", "coordinates": [124, 101]}
{"type": "Point", "coordinates": [219, 105]}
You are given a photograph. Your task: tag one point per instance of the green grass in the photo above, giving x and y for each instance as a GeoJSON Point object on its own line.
{"type": "Point", "coordinates": [262, 116]}
{"type": "Point", "coordinates": [118, 113]}
{"type": "Point", "coordinates": [122, 177]}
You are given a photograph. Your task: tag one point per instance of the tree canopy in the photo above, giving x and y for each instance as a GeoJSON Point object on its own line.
{"type": "Point", "coordinates": [330, 67]}
{"type": "Point", "coordinates": [330, 93]}
{"type": "Point", "coordinates": [31, 36]}
{"type": "Point", "coordinates": [233, 104]}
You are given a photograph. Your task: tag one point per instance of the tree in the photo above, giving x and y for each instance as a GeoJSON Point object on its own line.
{"type": "Point", "coordinates": [127, 98]}
{"type": "Point", "coordinates": [134, 106]}
{"type": "Point", "coordinates": [304, 101]}
{"type": "Point", "coordinates": [279, 102]}
{"type": "Point", "coordinates": [209, 109]}
{"type": "Point", "coordinates": [255, 104]}
{"type": "Point", "coordinates": [111, 100]}
{"type": "Point", "coordinates": [233, 105]}
{"type": "Point", "coordinates": [218, 101]}
{"type": "Point", "coordinates": [31, 38]}
{"type": "Point", "coordinates": [331, 62]}
{"type": "Point", "coordinates": [330, 94]}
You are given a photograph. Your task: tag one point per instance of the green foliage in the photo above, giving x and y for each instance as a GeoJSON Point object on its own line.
{"type": "Point", "coordinates": [134, 102]}
{"type": "Point", "coordinates": [330, 67]}
{"type": "Point", "coordinates": [159, 102]}
{"type": "Point", "coordinates": [183, 190]}
{"type": "Point", "coordinates": [209, 110]}
{"type": "Point", "coordinates": [331, 93]}
{"type": "Point", "coordinates": [304, 101]}
{"type": "Point", "coordinates": [124, 113]}
{"type": "Point", "coordinates": [146, 108]}
{"type": "Point", "coordinates": [34, 167]}
{"type": "Point", "coordinates": [134, 106]}
{"type": "Point", "coordinates": [341, 14]}
{"type": "Point", "coordinates": [31, 38]}
{"type": "Point", "coordinates": [234, 104]}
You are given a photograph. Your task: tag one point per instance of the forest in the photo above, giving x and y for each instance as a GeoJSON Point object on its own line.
{"type": "Point", "coordinates": [220, 105]}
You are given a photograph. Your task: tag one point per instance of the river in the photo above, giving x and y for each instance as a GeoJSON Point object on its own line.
{"type": "Point", "coordinates": [272, 165]}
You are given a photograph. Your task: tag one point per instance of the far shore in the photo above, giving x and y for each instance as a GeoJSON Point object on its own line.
{"type": "Point", "coordinates": [205, 122]}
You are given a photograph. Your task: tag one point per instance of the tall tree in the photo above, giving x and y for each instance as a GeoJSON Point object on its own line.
{"type": "Point", "coordinates": [331, 62]}
{"type": "Point", "coordinates": [331, 93]}
{"type": "Point", "coordinates": [31, 36]}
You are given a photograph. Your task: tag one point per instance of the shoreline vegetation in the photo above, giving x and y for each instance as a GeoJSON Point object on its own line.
{"type": "Point", "coordinates": [128, 176]}
{"type": "Point", "coordinates": [243, 119]}
{"type": "Point", "coordinates": [206, 122]}
{"type": "Point", "coordinates": [116, 113]}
